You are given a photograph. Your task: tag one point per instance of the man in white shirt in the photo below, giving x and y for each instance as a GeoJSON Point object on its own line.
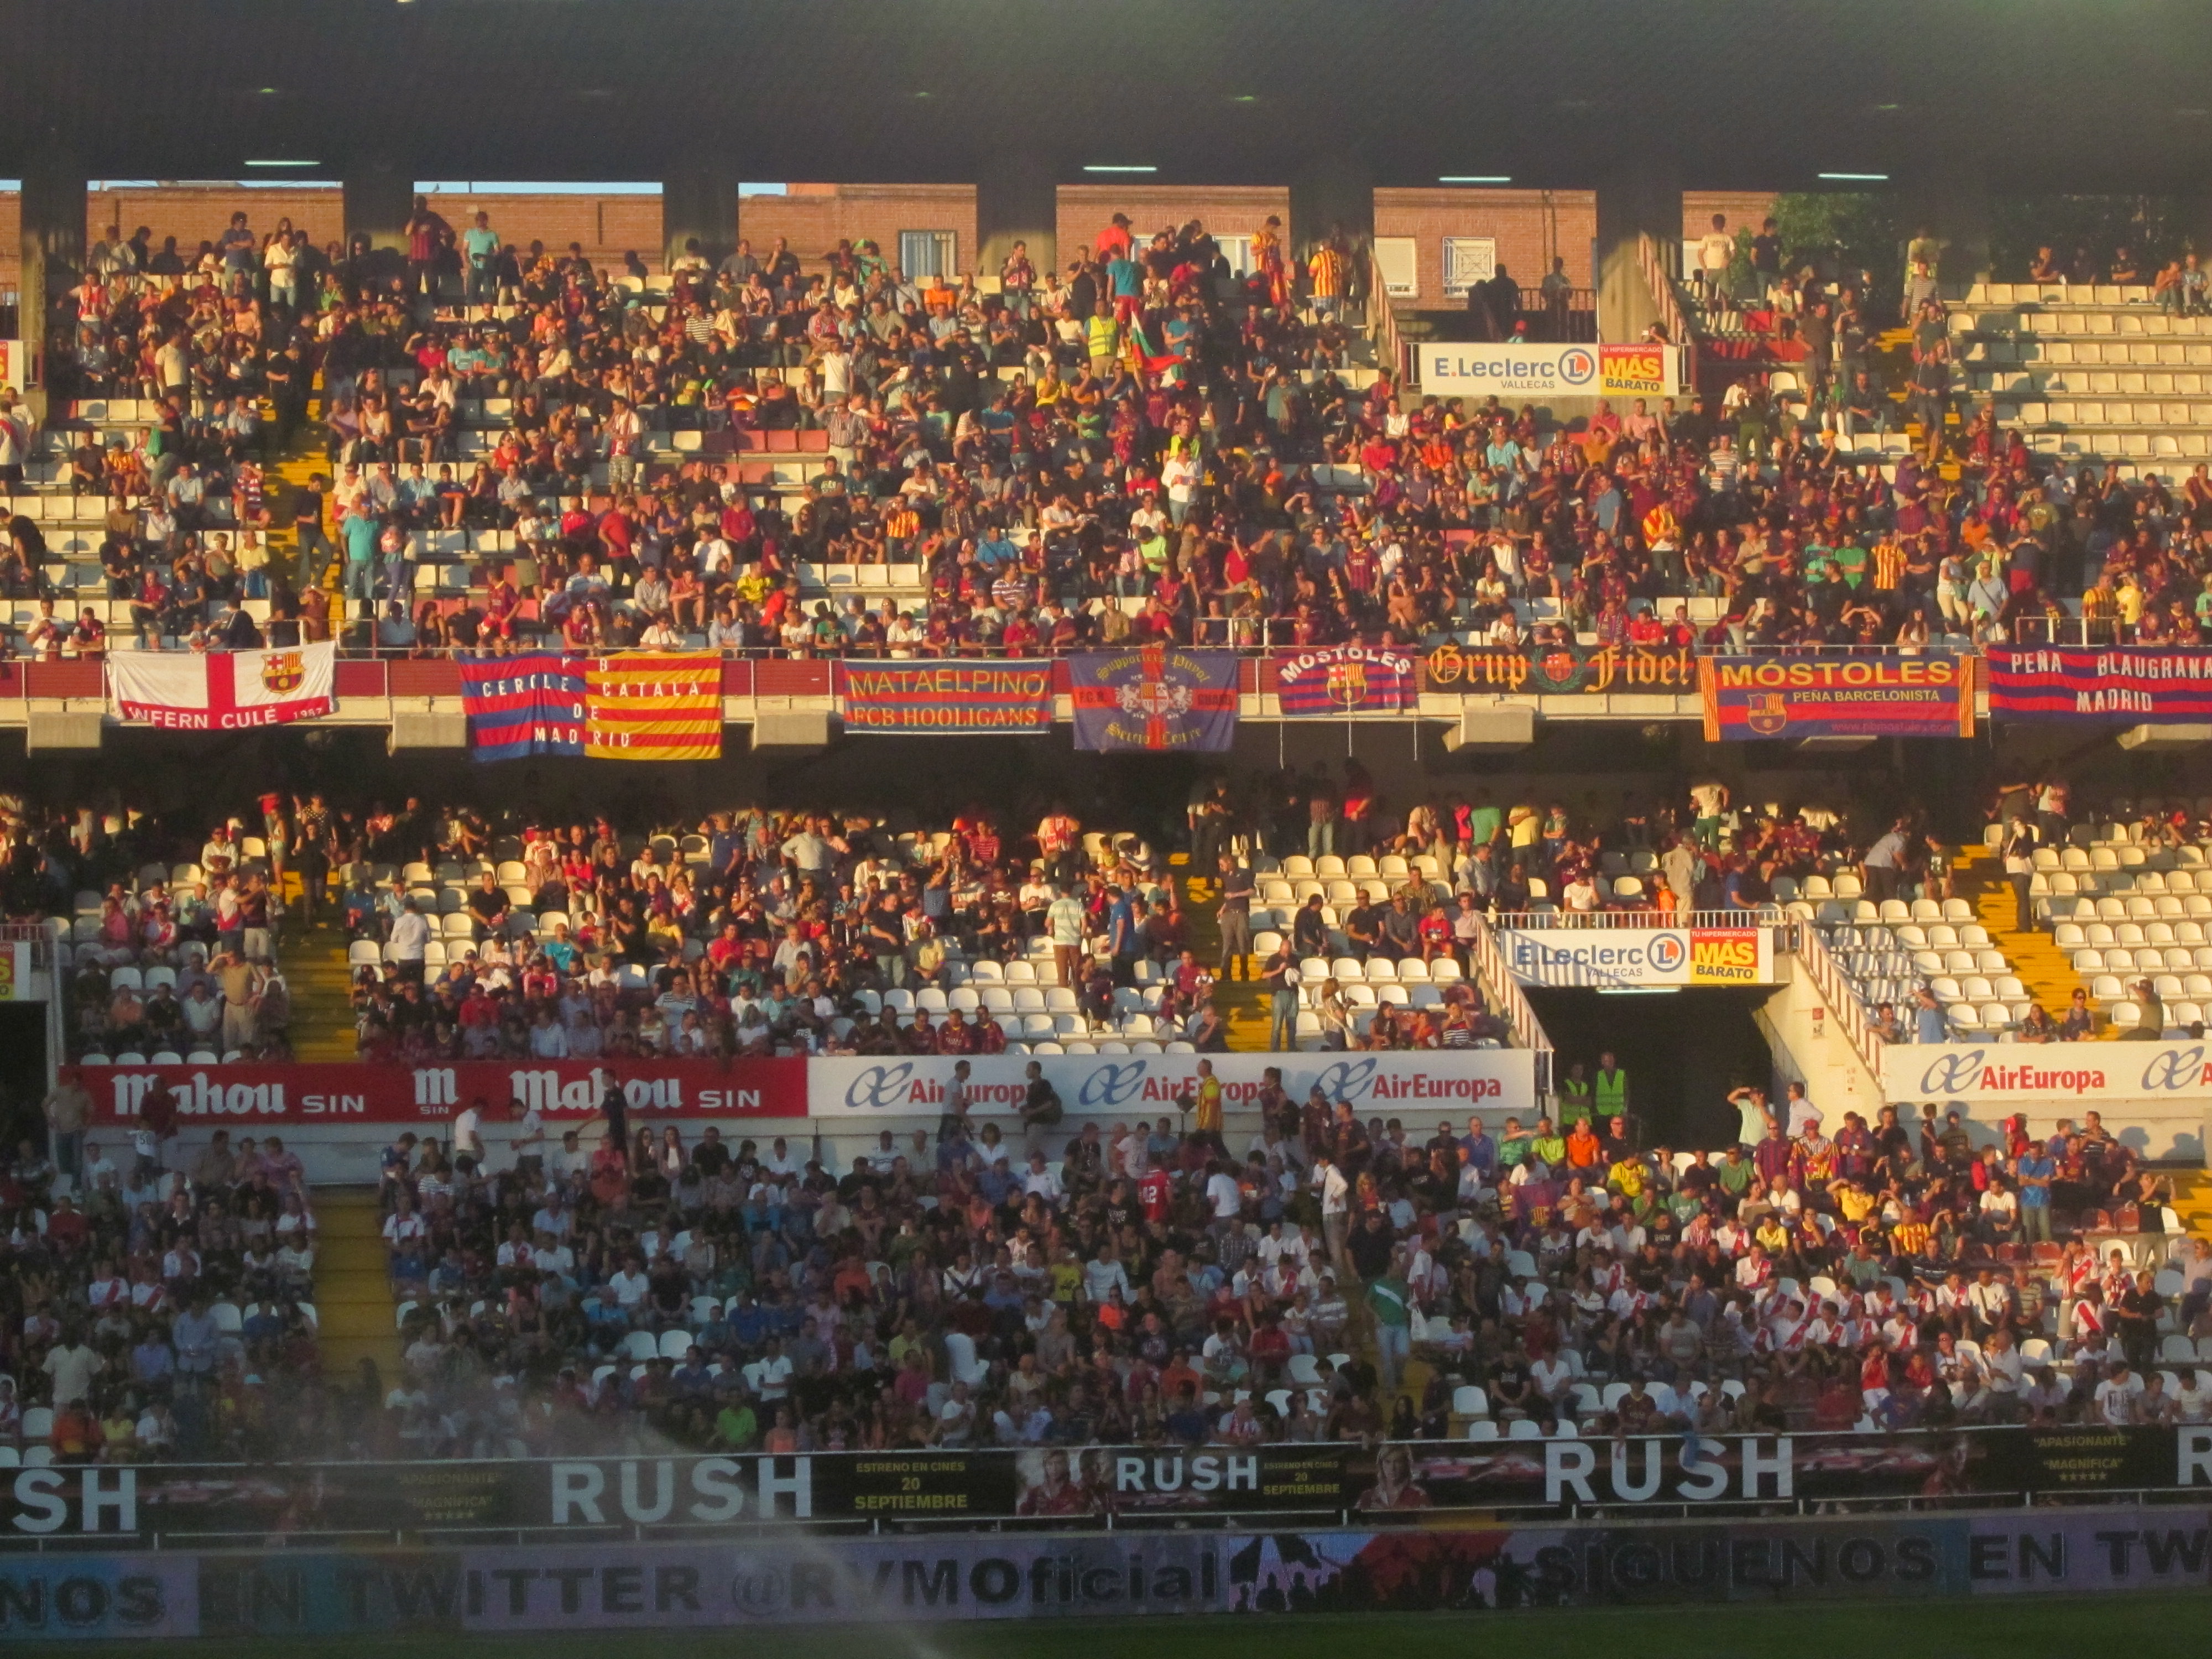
{"type": "Point", "coordinates": [1335, 1204]}
{"type": "Point", "coordinates": [2117, 1394]}
{"type": "Point", "coordinates": [468, 1136]}
{"type": "Point", "coordinates": [1042, 1182]}
{"type": "Point", "coordinates": [410, 939]}
{"type": "Point", "coordinates": [529, 1138]}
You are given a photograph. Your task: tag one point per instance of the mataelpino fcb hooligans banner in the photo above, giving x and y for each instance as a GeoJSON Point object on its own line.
{"type": "Point", "coordinates": [1639, 956]}
{"type": "Point", "coordinates": [1871, 696]}
{"type": "Point", "coordinates": [223, 691]}
{"type": "Point", "coordinates": [1348, 680]}
{"type": "Point", "coordinates": [2116, 682]}
{"type": "Point", "coordinates": [1453, 369]}
{"type": "Point", "coordinates": [948, 698]}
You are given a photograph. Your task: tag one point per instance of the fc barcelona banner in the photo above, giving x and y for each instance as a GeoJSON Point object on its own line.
{"type": "Point", "coordinates": [524, 705]}
{"type": "Point", "coordinates": [654, 706]}
{"type": "Point", "coordinates": [1870, 696]}
{"type": "Point", "coordinates": [223, 691]}
{"type": "Point", "coordinates": [1155, 698]}
{"type": "Point", "coordinates": [2139, 683]}
{"type": "Point", "coordinates": [948, 697]}
{"type": "Point", "coordinates": [1348, 680]}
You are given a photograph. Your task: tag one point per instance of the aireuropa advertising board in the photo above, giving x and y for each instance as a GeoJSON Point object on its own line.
{"type": "Point", "coordinates": [1449, 1081]}
{"type": "Point", "coordinates": [1453, 369]}
{"type": "Point", "coordinates": [2022, 1073]}
{"type": "Point", "coordinates": [1639, 956]}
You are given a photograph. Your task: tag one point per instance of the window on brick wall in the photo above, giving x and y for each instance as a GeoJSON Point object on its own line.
{"type": "Point", "coordinates": [1237, 249]}
{"type": "Point", "coordinates": [1469, 260]}
{"type": "Point", "coordinates": [1399, 259]}
{"type": "Point", "coordinates": [926, 254]}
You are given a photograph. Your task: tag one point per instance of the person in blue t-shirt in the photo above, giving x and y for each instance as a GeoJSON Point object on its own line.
{"type": "Point", "coordinates": [480, 255]}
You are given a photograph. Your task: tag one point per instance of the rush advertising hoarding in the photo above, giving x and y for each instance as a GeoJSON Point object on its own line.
{"type": "Point", "coordinates": [1553, 1477]}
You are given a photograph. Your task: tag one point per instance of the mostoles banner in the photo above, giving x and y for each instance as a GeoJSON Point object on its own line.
{"type": "Point", "coordinates": [1868, 696]}
{"type": "Point", "coordinates": [223, 691]}
{"type": "Point", "coordinates": [1348, 680]}
{"type": "Point", "coordinates": [1447, 1081]}
{"type": "Point", "coordinates": [948, 698]}
{"type": "Point", "coordinates": [2141, 683]}
{"type": "Point", "coordinates": [243, 1095]}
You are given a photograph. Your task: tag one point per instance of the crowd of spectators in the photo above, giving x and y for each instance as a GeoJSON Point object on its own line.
{"type": "Point", "coordinates": [1335, 1278]}
{"type": "Point", "coordinates": [159, 1304]}
{"type": "Point", "coordinates": [770, 931]}
{"type": "Point", "coordinates": [1144, 445]}
{"type": "Point", "coordinates": [164, 931]}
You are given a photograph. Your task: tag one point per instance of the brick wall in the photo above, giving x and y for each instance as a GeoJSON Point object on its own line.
{"type": "Point", "coordinates": [1531, 226]}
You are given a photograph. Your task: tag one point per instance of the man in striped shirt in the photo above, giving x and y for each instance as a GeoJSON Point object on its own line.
{"type": "Point", "coordinates": [1330, 273]}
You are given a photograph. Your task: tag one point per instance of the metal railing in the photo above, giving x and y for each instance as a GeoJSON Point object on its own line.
{"type": "Point", "coordinates": [1509, 1001]}
{"type": "Point", "coordinates": [1382, 335]}
{"type": "Point", "coordinates": [1659, 276]}
{"type": "Point", "coordinates": [1766, 916]}
{"type": "Point", "coordinates": [1837, 990]}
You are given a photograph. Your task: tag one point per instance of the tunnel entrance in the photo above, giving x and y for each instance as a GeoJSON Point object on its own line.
{"type": "Point", "coordinates": [1683, 1050]}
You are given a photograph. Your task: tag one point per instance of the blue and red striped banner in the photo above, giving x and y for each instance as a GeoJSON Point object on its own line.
{"type": "Point", "coordinates": [531, 704]}
{"type": "Point", "coordinates": [1348, 680]}
{"type": "Point", "coordinates": [2143, 683]}
{"type": "Point", "coordinates": [948, 697]}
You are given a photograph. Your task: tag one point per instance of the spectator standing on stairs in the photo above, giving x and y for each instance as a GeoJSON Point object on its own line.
{"type": "Point", "coordinates": [2020, 870]}
{"type": "Point", "coordinates": [1234, 917]}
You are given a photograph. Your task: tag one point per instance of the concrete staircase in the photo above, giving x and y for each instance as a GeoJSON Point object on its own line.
{"type": "Point", "coordinates": [322, 995]}
{"type": "Point", "coordinates": [2042, 968]}
{"type": "Point", "coordinates": [353, 1297]}
{"type": "Point", "coordinates": [1243, 1004]}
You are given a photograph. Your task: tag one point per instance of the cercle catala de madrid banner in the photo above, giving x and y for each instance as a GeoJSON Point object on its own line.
{"type": "Point", "coordinates": [780, 1088]}
{"type": "Point", "coordinates": [2023, 1071]}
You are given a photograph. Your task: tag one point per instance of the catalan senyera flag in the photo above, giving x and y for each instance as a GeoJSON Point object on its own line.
{"type": "Point", "coordinates": [653, 706]}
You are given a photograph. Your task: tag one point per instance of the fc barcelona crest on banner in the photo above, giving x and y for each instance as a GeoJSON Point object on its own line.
{"type": "Point", "coordinates": [282, 672]}
{"type": "Point", "coordinates": [1347, 679]}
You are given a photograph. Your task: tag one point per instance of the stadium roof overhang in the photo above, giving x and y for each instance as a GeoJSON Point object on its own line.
{"type": "Point", "coordinates": [2043, 94]}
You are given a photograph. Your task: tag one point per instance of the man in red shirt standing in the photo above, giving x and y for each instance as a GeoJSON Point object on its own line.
{"type": "Point", "coordinates": [427, 234]}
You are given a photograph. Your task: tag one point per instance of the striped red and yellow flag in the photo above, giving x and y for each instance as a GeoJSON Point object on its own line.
{"type": "Point", "coordinates": [653, 706]}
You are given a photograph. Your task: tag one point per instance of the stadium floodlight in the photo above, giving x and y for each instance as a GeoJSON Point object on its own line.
{"type": "Point", "coordinates": [1117, 168]}
{"type": "Point", "coordinates": [1856, 178]}
{"type": "Point", "coordinates": [1474, 179]}
{"type": "Point", "coordinates": [283, 164]}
